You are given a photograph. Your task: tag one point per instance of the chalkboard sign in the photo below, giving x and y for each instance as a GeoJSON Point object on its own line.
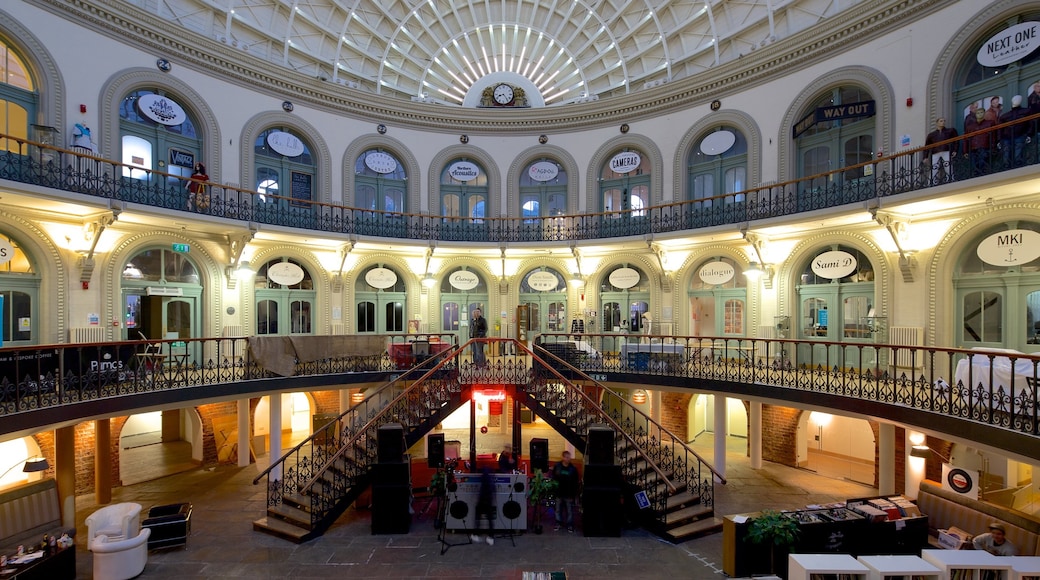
{"type": "Point", "coordinates": [301, 188]}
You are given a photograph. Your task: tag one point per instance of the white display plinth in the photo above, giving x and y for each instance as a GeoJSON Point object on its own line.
{"type": "Point", "coordinates": [1025, 567]}
{"type": "Point", "coordinates": [885, 567]}
{"type": "Point", "coordinates": [966, 564]}
{"type": "Point", "coordinates": [810, 566]}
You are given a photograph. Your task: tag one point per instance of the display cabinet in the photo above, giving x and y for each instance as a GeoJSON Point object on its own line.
{"type": "Point", "coordinates": [901, 567]}
{"type": "Point", "coordinates": [966, 564]}
{"type": "Point", "coordinates": [1025, 567]}
{"type": "Point", "coordinates": [825, 567]}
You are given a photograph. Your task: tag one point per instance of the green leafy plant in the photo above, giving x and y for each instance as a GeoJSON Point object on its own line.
{"type": "Point", "coordinates": [437, 484]}
{"type": "Point", "coordinates": [775, 529]}
{"type": "Point", "coordinates": [540, 489]}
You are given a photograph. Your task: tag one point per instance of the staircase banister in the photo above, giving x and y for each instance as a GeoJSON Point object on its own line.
{"type": "Point", "coordinates": [596, 405]}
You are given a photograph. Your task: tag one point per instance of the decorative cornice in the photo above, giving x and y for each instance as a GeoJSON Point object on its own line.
{"type": "Point", "coordinates": [129, 24]}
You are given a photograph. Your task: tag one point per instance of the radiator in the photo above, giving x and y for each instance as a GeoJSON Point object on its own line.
{"type": "Point", "coordinates": [232, 330]}
{"type": "Point", "coordinates": [907, 336]}
{"type": "Point", "coordinates": [87, 334]}
{"type": "Point", "coordinates": [339, 329]}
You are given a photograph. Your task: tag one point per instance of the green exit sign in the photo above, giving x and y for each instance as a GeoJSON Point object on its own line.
{"type": "Point", "coordinates": [181, 248]}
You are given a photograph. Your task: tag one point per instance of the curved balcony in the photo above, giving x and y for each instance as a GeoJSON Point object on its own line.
{"type": "Point", "coordinates": [974, 155]}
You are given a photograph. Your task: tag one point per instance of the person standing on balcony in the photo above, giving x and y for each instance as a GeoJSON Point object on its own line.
{"type": "Point", "coordinates": [940, 154]}
{"type": "Point", "coordinates": [980, 143]}
{"type": "Point", "coordinates": [995, 109]}
{"type": "Point", "coordinates": [1015, 136]}
{"type": "Point", "coordinates": [196, 186]}
{"type": "Point", "coordinates": [478, 329]}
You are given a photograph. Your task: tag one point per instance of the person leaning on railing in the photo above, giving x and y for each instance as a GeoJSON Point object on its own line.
{"type": "Point", "coordinates": [980, 142]}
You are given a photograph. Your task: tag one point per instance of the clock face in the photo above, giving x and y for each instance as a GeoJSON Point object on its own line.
{"type": "Point", "coordinates": [503, 94]}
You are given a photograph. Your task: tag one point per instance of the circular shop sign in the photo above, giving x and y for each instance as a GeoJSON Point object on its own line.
{"type": "Point", "coordinates": [285, 143]}
{"type": "Point", "coordinates": [543, 171]}
{"type": "Point", "coordinates": [381, 278]}
{"type": "Point", "coordinates": [718, 143]}
{"type": "Point", "coordinates": [1010, 248]}
{"type": "Point", "coordinates": [624, 278]}
{"type": "Point", "coordinates": [381, 162]}
{"type": "Point", "coordinates": [1010, 45]}
{"type": "Point", "coordinates": [285, 273]}
{"type": "Point", "coordinates": [959, 480]}
{"type": "Point", "coordinates": [543, 281]}
{"type": "Point", "coordinates": [625, 161]}
{"type": "Point", "coordinates": [161, 109]}
{"type": "Point", "coordinates": [6, 251]}
{"type": "Point", "coordinates": [716, 273]}
{"type": "Point", "coordinates": [463, 280]}
{"type": "Point", "coordinates": [463, 171]}
{"type": "Point", "coordinates": [834, 264]}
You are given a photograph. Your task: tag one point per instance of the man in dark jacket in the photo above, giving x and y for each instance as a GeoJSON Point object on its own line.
{"type": "Point", "coordinates": [565, 474]}
{"type": "Point", "coordinates": [1013, 138]}
{"type": "Point", "coordinates": [940, 154]}
{"type": "Point", "coordinates": [478, 329]}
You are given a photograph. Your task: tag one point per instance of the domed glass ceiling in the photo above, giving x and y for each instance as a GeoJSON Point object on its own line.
{"type": "Point", "coordinates": [443, 50]}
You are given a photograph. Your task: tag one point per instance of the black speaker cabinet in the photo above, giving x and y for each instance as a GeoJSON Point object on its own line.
{"type": "Point", "coordinates": [540, 454]}
{"type": "Point", "coordinates": [390, 509]}
{"type": "Point", "coordinates": [435, 451]}
{"type": "Point", "coordinates": [603, 476]}
{"type": "Point", "coordinates": [599, 446]}
{"type": "Point", "coordinates": [391, 474]}
{"type": "Point", "coordinates": [601, 511]}
{"type": "Point", "coordinates": [390, 443]}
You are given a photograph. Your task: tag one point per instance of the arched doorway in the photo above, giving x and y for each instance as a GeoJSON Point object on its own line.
{"type": "Point", "coordinates": [837, 446]}
{"type": "Point", "coordinates": [297, 412]}
{"type": "Point", "coordinates": [159, 443]}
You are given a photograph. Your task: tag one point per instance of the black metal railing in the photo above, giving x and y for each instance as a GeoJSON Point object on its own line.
{"type": "Point", "coordinates": [987, 152]}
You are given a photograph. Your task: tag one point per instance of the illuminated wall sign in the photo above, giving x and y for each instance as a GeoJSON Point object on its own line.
{"type": "Point", "coordinates": [285, 273]}
{"type": "Point", "coordinates": [164, 291]}
{"type": "Point", "coordinates": [1010, 248]}
{"type": "Point", "coordinates": [380, 162]}
{"type": "Point", "coordinates": [625, 161]}
{"type": "Point", "coordinates": [285, 143]}
{"type": "Point", "coordinates": [463, 280]}
{"type": "Point", "coordinates": [543, 281]}
{"type": "Point", "coordinates": [1010, 45]}
{"type": "Point", "coordinates": [543, 171]}
{"type": "Point", "coordinates": [624, 278]}
{"type": "Point", "coordinates": [463, 171]}
{"type": "Point", "coordinates": [821, 114]}
{"type": "Point", "coordinates": [6, 251]}
{"type": "Point", "coordinates": [716, 273]}
{"type": "Point", "coordinates": [381, 278]}
{"type": "Point", "coordinates": [181, 248]}
{"type": "Point", "coordinates": [161, 109]}
{"type": "Point", "coordinates": [834, 264]}
{"type": "Point", "coordinates": [181, 158]}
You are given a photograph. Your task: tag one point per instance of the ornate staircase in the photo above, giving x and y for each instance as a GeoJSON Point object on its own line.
{"type": "Point", "coordinates": [311, 485]}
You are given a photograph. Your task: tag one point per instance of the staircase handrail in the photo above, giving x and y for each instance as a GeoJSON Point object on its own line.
{"type": "Point", "coordinates": [610, 421]}
{"type": "Point", "coordinates": [352, 409]}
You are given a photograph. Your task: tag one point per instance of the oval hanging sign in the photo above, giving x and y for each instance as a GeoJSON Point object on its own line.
{"type": "Point", "coordinates": [1010, 248]}
{"type": "Point", "coordinates": [834, 264]}
{"type": "Point", "coordinates": [463, 280]}
{"type": "Point", "coordinates": [718, 143]}
{"type": "Point", "coordinates": [285, 143]}
{"type": "Point", "coordinates": [161, 109]}
{"type": "Point", "coordinates": [543, 171]}
{"type": "Point", "coordinates": [6, 251]}
{"type": "Point", "coordinates": [543, 281]}
{"type": "Point", "coordinates": [1010, 45]}
{"type": "Point", "coordinates": [381, 162]}
{"type": "Point", "coordinates": [463, 171]}
{"type": "Point", "coordinates": [381, 278]}
{"type": "Point", "coordinates": [285, 273]}
{"type": "Point", "coordinates": [716, 273]}
{"type": "Point", "coordinates": [624, 278]}
{"type": "Point", "coordinates": [625, 161]}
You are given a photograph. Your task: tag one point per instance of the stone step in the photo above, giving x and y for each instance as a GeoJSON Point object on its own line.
{"type": "Point", "coordinates": [282, 529]}
{"type": "Point", "coordinates": [693, 512]}
{"type": "Point", "coordinates": [695, 529]}
{"type": "Point", "coordinates": [290, 514]}
{"type": "Point", "coordinates": [681, 499]}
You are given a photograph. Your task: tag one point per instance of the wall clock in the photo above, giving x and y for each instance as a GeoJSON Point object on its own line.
{"type": "Point", "coordinates": [503, 94]}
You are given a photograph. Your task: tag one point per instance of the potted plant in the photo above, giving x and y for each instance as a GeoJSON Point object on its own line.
{"type": "Point", "coordinates": [775, 529]}
{"type": "Point", "coordinates": [540, 489]}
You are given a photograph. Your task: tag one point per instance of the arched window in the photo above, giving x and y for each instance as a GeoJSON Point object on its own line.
{"type": "Point", "coordinates": [976, 85]}
{"type": "Point", "coordinates": [718, 298]}
{"type": "Point", "coordinates": [20, 289]}
{"type": "Point", "coordinates": [162, 298]}
{"type": "Point", "coordinates": [380, 296]}
{"type": "Point", "coordinates": [544, 291]}
{"type": "Point", "coordinates": [464, 190]}
{"type": "Point", "coordinates": [717, 166]}
{"type": "Point", "coordinates": [846, 140]}
{"type": "Point", "coordinates": [462, 292]}
{"type": "Point", "coordinates": [624, 184]}
{"type": "Point", "coordinates": [1004, 314]}
{"type": "Point", "coordinates": [543, 190]}
{"type": "Point", "coordinates": [380, 182]}
{"type": "Point", "coordinates": [284, 167]}
{"type": "Point", "coordinates": [158, 134]}
{"type": "Point", "coordinates": [17, 97]}
{"type": "Point", "coordinates": [285, 298]}
{"type": "Point", "coordinates": [835, 299]}
{"type": "Point", "coordinates": [625, 295]}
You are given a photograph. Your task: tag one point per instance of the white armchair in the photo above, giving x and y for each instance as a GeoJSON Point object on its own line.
{"type": "Point", "coordinates": [118, 522]}
{"type": "Point", "coordinates": [120, 559]}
